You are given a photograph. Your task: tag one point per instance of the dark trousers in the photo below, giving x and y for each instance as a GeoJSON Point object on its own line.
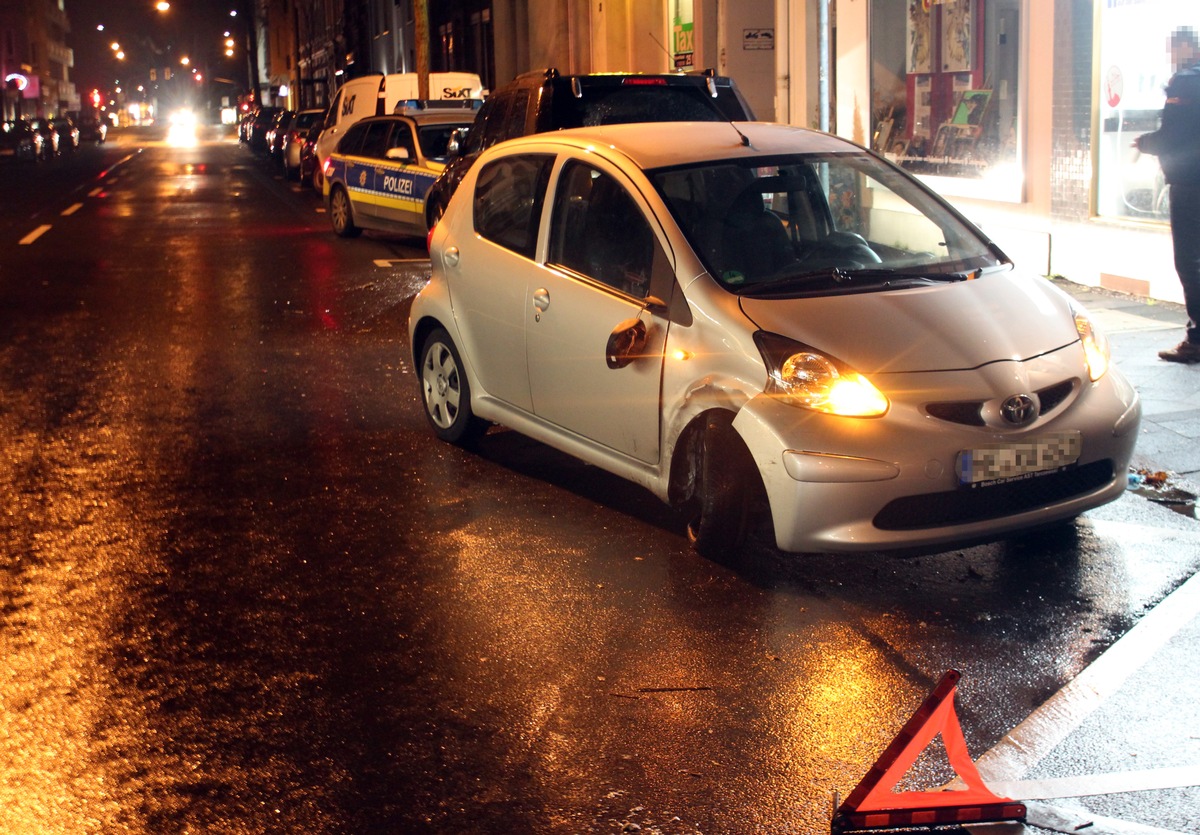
{"type": "Point", "coordinates": [1185, 233]}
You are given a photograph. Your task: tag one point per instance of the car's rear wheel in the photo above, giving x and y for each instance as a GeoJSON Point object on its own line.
{"type": "Point", "coordinates": [727, 488]}
{"type": "Point", "coordinates": [341, 214]}
{"type": "Point", "coordinates": [446, 392]}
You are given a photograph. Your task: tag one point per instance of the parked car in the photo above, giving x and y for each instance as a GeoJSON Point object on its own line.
{"type": "Point", "coordinates": [245, 121]}
{"type": "Point", "coordinates": [92, 129]}
{"type": "Point", "coordinates": [18, 140]}
{"type": "Point", "coordinates": [309, 164]}
{"type": "Point", "coordinates": [274, 135]}
{"type": "Point", "coordinates": [382, 95]}
{"type": "Point", "coordinates": [378, 176]}
{"type": "Point", "coordinates": [49, 138]}
{"type": "Point", "coordinates": [294, 136]}
{"type": "Point", "coordinates": [68, 133]}
{"type": "Point", "coordinates": [256, 134]}
{"type": "Point", "coordinates": [540, 101]}
{"type": "Point", "coordinates": [759, 319]}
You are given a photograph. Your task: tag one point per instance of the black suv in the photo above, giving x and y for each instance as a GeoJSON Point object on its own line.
{"type": "Point", "coordinates": [544, 100]}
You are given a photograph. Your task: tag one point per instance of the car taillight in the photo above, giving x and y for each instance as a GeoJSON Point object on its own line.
{"type": "Point", "coordinates": [645, 82]}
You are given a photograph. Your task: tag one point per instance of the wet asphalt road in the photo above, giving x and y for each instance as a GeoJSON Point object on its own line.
{"type": "Point", "coordinates": [243, 590]}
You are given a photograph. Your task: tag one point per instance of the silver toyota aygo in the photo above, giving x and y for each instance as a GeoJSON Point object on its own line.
{"type": "Point", "coordinates": [759, 321]}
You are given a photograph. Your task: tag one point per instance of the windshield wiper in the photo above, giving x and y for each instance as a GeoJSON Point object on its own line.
{"type": "Point", "coordinates": [850, 280]}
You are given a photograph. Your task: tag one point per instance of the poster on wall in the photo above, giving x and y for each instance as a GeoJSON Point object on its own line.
{"type": "Point", "coordinates": [920, 37]}
{"type": "Point", "coordinates": [683, 35]}
{"type": "Point", "coordinates": [956, 36]}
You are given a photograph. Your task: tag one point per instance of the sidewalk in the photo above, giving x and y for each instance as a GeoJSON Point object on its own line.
{"type": "Point", "coordinates": [1138, 329]}
{"type": "Point", "coordinates": [1117, 750]}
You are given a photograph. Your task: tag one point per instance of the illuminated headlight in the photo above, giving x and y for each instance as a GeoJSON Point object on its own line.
{"type": "Point", "coordinates": [806, 377]}
{"type": "Point", "coordinates": [1095, 344]}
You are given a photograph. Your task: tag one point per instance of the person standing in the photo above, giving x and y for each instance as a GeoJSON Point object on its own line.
{"type": "Point", "coordinates": [1177, 145]}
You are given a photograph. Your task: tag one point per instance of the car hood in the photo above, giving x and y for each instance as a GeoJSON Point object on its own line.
{"type": "Point", "coordinates": [953, 326]}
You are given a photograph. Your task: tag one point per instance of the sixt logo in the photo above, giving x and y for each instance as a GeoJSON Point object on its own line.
{"type": "Point", "coordinates": [348, 105]}
{"type": "Point", "coordinates": [451, 93]}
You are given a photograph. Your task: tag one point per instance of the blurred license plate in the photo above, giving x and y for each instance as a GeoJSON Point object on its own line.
{"type": "Point", "coordinates": [998, 463]}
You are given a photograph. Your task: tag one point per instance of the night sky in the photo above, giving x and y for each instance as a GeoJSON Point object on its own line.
{"type": "Point", "coordinates": [150, 38]}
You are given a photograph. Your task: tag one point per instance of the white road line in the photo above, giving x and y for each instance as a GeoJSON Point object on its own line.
{"type": "Point", "coordinates": [70, 210]}
{"type": "Point", "coordinates": [1096, 784]}
{"type": "Point", "coordinates": [35, 234]}
{"type": "Point", "coordinates": [1072, 822]}
{"type": "Point", "coordinates": [391, 262]}
{"type": "Point", "coordinates": [1031, 741]}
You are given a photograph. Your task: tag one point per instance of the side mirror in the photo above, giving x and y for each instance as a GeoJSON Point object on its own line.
{"type": "Point", "coordinates": [454, 144]}
{"type": "Point", "coordinates": [397, 153]}
{"type": "Point", "coordinates": [626, 343]}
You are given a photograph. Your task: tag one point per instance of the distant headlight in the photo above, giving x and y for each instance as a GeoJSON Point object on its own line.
{"type": "Point", "coordinates": [806, 377]}
{"type": "Point", "coordinates": [1095, 344]}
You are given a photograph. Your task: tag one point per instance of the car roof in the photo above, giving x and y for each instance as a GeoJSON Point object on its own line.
{"type": "Point", "coordinates": [663, 144]}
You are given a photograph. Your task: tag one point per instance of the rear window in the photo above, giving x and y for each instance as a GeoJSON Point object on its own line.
{"type": "Point", "coordinates": [307, 120]}
{"type": "Point", "coordinates": [435, 139]}
{"type": "Point", "coordinates": [613, 104]}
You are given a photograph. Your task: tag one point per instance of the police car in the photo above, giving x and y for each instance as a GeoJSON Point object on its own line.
{"type": "Point", "coordinates": [383, 166]}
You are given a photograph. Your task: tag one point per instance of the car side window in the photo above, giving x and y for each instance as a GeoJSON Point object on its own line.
{"type": "Point", "coordinates": [352, 140]}
{"type": "Point", "coordinates": [495, 128]}
{"type": "Point", "coordinates": [600, 232]}
{"type": "Point", "coordinates": [401, 137]}
{"type": "Point", "coordinates": [375, 143]}
{"type": "Point", "coordinates": [517, 112]}
{"type": "Point", "coordinates": [331, 115]}
{"type": "Point", "coordinates": [508, 200]}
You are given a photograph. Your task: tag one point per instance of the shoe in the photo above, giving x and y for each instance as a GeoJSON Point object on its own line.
{"type": "Point", "coordinates": [1185, 351]}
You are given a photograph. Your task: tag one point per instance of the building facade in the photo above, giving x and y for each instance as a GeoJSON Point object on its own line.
{"type": "Point", "coordinates": [35, 61]}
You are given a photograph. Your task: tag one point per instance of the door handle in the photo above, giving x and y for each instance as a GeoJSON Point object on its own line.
{"type": "Point", "coordinates": [541, 299]}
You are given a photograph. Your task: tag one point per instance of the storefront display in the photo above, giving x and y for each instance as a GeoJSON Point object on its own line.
{"type": "Point", "coordinates": [945, 98]}
{"type": "Point", "coordinates": [1134, 66]}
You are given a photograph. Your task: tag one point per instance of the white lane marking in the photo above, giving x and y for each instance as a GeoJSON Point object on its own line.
{"type": "Point", "coordinates": [1092, 785]}
{"type": "Point", "coordinates": [391, 262]}
{"type": "Point", "coordinates": [1072, 822]}
{"type": "Point", "coordinates": [1028, 744]}
{"type": "Point", "coordinates": [35, 234]}
{"type": "Point", "coordinates": [70, 210]}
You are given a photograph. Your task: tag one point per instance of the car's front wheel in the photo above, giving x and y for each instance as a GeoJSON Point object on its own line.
{"type": "Point", "coordinates": [341, 214]}
{"type": "Point", "coordinates": [727, 488]}
{"type": "Point", "coordinates": [446, 393]}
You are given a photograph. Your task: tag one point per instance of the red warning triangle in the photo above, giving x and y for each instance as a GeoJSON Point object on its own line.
{"type": "Point", "coordinates": [873, 800]}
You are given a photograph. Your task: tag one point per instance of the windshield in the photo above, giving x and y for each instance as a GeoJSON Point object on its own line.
{"type": "Point", "coordinates": [819, 223]}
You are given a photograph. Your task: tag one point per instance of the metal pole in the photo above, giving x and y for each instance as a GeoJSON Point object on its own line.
{"type": "Point", "coordinates": [823, 59]}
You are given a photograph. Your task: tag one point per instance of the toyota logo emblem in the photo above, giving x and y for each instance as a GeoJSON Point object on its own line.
{"type": "Point", "coordinates": [1018, 409]}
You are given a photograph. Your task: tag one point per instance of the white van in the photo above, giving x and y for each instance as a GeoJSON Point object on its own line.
{"type": "Point", "coordinates": [378, 95]}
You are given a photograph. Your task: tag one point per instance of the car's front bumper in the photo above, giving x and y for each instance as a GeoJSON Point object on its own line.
{"type": "Point", "coordinates": [838, 484]}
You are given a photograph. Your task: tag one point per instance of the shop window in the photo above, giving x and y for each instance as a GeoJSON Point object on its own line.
{"type": "Point", "coordinates": [945, 98]}
{"type": "Point", "coordinates": [1134, 66]}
